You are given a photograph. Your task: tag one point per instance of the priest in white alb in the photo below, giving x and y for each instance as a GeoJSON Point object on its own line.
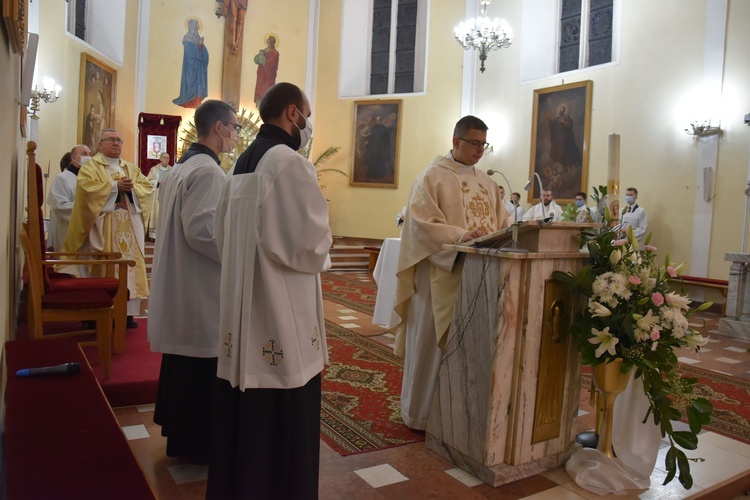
{"type": "Point", "coordinates": [183, 320]}
{"type": "Point", "coordinates": [451, 201]}
{"type": "Point", "coordinates": [273, 237]}
{"type": "Point", "coordinates": [62, 193]}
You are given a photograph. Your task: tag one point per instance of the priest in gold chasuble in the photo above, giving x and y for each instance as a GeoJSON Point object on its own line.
{"type": "Point", "coordinates": [109, 213]}
{"type": "Point", "coordinates": [451, 201]}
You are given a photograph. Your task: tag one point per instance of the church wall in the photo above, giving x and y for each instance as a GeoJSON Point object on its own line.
{"type": "Point", "coordinates": [285, 18]}
{"type": "Point", "coordinates": [426, 125]}
{"type": "Point", "coordinates": [59, 57]}
{"type": "Point", "coordinates": [649, 97]}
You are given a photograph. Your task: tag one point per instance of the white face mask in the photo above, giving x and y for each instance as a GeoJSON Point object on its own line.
{"type": "Point", "coordinates": [305, 134]}
{"type": "Point", "coordinates": [82, 160]}
{"type": "Point", "coordinates": [229, 143]}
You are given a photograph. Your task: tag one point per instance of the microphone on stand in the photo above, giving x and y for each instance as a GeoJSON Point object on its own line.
{"type": "Point", "coordinates": [493, 172]}
{"type": "Point", "coordinates": [514, 234]}
{"type": "Point", "coordinates": [63, 369]}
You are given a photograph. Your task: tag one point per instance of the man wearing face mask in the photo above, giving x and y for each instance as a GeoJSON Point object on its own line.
{"type": "Point", "coordinates": [273, 237]}
{"type": "Point", "coordinates": [62, 193]}
{"type": "Point", "coordinates": [108, 214]}
{"type": "Point", "coordinates": [189, 340]}
{"type": "Point", "coordinates": [583, 212]}
{"type": "Point", "coordinates": [634, 216]}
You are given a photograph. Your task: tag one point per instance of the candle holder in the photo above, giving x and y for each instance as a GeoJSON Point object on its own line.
{"type": "Point", "coordinates": [45, 95]}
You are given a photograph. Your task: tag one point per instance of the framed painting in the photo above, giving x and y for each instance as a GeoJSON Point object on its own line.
{"type": "Point", "coordinates": [560, 131]}
{"type": "Point", "coordinates": [96, 100]}
{"type": "Point", "coordinates": [376, 143]}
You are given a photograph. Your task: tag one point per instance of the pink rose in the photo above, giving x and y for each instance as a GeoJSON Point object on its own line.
{"type": "Point", "coordinates": [655, 333]}
{"type": "Point", "coordinates": [650, 248]}
{"type": "Point", "coordinates": [657, 299]}
{"type": "Point", "coordinates": [672, 271]}
{"type": "Point", "coordinates": [634, 280]}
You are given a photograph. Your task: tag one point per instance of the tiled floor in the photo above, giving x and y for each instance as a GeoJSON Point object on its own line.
{"type": "Point", "coordinates": [412, 471]}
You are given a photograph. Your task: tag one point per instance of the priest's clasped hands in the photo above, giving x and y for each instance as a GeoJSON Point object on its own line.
{"type": "Point", "coordinates": [124, 184]}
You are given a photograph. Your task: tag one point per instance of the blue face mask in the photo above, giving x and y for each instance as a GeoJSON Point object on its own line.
{"type": "Point", "coordinates": [579, 203]}
{"type": "Point", "coordinates": [629, 199]}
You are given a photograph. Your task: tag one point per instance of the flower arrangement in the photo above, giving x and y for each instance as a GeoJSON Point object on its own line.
{"type": "Point", "coordinates": [633, 315]}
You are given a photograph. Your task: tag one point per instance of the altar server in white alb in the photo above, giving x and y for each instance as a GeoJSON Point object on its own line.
{"type": "Point", "coordinates": [62, 194]}
{"type": "Point", "coordinates": [451, 201]}
{"type": "Point", "coordinates": [156, 176]}
{"type": "Point", "coordinates": [548, 207]}
{"type": "Point", "coordinates": [183, 321]}
{"type": "Point", "coordinates": [634, 216]}
{"type": "Point", "coordinates": [273, 237]}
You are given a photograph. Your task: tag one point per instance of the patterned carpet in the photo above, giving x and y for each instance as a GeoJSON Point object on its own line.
{"type": "Point", "coordinates": [729, 396]}
{"type": "Point", "coordinates": [361, 407]}
{"type": "Point", "coordinates": [346, 289]}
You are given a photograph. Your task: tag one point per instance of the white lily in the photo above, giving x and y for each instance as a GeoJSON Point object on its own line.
{"type": "Point", "coordinates": [678, 301]}
{"type": "Point", "coordinates": [695, 340]}
{"type": "Point", "coordinates": [646, 322]}
{"type": "Point", "coordinates": [598, 310]}
{"type": "Point", "coordinates": [615, 257]}
{"type": "Point", "coordinates": [606, 341]}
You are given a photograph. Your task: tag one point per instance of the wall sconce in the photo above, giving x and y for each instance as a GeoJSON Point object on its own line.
{"type": "Point", "coordinates": [45, 95]}
{"type": "Point", "coordinates": [702, 129]}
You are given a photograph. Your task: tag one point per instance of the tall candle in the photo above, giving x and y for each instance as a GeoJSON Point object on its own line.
{"type": "Point", "coordinates": [613, 176]}
{"type": "Point", "coordinates": [613, 172]}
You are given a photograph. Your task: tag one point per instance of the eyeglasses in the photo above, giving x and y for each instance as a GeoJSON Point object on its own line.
{"type": "Point", "coordinates": [475, 143]}
{"type": "Point", "coordinates": [115, 140]}
{"type": "Point", "coordinates": [237, 127]}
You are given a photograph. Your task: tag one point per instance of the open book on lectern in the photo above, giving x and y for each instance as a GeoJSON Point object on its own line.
{"type": "Point", "coordinates": [504, 237]}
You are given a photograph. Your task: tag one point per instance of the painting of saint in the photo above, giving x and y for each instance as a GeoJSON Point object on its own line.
{"type": "Point", "coordinates": [376, 143]}
{"type": "Point", "coordinates": [194, 82]}
{"type": "Point", "coordinates": [267, 60]}
{"type": "Point", "coordinates": [96, 100]}
{"type": "Point", "coordinates": [560, 139]}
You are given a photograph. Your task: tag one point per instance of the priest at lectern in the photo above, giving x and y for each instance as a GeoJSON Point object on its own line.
{"type": "Point", "coordinates": [451, 201]}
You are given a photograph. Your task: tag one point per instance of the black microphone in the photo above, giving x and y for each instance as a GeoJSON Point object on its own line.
{"type": "Point", "coordinates": [63, 369]}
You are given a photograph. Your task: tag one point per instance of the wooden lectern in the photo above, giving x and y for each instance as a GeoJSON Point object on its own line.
{"type": "Point", "coordinates": [508, 389]}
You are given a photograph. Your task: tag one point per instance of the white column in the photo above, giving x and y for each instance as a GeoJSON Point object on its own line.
{"type": "Point", "coordinates": [141, 66]}
{"type": "Point", "coordinates": [708, 147]}
{"type": "Point", "coordinates": [311, 71]}
{"type": "Point", "coordinates": [469, 81]}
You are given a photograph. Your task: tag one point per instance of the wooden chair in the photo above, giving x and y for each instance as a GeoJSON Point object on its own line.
{"type": "Point", "coordinates": [78, 305]}
{"type": "Point", "coordinates": [54, 282]}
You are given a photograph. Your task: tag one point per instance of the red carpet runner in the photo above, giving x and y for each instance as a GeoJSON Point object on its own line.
{"type": "Point", "coordinates": [361, 408]}
{"type": "Point", "coordinates": [349, 291]}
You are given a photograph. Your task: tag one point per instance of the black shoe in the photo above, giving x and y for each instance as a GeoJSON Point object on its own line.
{"type": "Point", "coordinates": [131, 323]}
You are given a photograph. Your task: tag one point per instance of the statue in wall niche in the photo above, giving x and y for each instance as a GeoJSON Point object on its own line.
{"type": "Point", "coordinates": [194, 83]}
{"type": "Point", "coordinates": [267, 60]}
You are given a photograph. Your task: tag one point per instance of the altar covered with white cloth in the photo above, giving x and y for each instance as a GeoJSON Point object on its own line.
{"type": "Point", "coordinates": [384, 275]}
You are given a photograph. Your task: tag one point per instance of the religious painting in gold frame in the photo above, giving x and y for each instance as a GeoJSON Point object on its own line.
{"type": "Point", "coordinates": [377, 126]}
{"type": "Point", "coordinates": [96, 100]}
{"type": "Point", "coordinates": [560, 132]}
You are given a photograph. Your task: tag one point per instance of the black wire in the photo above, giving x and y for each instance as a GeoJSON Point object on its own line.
{"type": "Point", "coordinates": [465, 320]}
